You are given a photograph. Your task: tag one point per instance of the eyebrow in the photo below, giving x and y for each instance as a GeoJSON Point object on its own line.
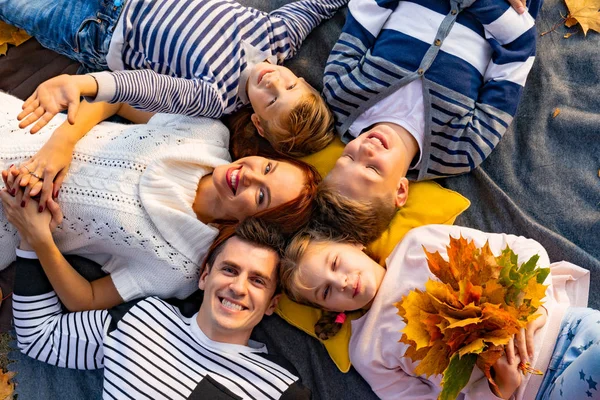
{"type": "Point", "coordinates": [268, 189]}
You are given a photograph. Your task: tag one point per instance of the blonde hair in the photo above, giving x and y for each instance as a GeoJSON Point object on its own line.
{"type": "Point", "coordinates": [361, 221]}
{"type": "Point", "coordinates": [307, 129]}
{"type": "Point", "coordinates": [289, 272]}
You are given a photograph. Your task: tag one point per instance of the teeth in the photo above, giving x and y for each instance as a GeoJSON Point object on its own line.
{"type": "Point", "coordinates": [234, 176]}
{"type": "Point", "coordinates": [379, 141]}
{"type": "Point", "coordinates": [231, 306]}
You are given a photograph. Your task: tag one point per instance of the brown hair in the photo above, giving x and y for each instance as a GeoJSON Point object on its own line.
{"type": "Point", "coordinates": [252, 230]}
{"type": "Point", "coordinates": [307, 129]}
{"type": "Point", "coordinates": [296, 213]}
{"type": "Point", "coordinates": [361, 221]}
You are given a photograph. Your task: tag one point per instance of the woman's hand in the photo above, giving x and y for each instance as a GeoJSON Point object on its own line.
{"type": "Point", "coordinates": [34, 227]}
{"type": "Point", "coordinates": [524, 341]}
{"type": "Point", "coordinates": [54, 95]}
{"type": "Point", "coordinates": [507, 376]}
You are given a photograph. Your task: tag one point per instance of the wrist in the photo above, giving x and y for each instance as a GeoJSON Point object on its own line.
{"type": "Point", "coordinates": [41, 243]}
{"type": "Point", "coordinates": [88, 86]}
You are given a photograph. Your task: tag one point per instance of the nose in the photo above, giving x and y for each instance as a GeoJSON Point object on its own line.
{"type": "Point", "coordinates": [251, 177]}
{"type": "Point", "coordinates": [367, 150]}
{"type": "Point", "coordinates": [272, 80]}
{"type": "Point", "coordinates": [238, 286]}
{"type": "Point", "coordinates": [342, 282]}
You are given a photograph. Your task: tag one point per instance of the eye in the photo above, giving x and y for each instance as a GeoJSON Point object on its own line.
{"type": "Point", "coordinates": [348, 155]}
{"type": "Point", "coordinates": [335, 263]}
{"type": "Point", "coordinates": [228, 270]}
{"type": "Point", "coordinates": [268, 168]}
{"type": "Point", "coordinates": [326, 292]}
{"type": "Point", "coordinates": [373, 168]}
{"type": "Point", "coordinates": [261, 196]}
{"type": "Point", "coordinates": [259, 281]}
{"type": "Point", "coordinates": [292, 86]}
{"type": "Point", "coordinates": [272, 102]}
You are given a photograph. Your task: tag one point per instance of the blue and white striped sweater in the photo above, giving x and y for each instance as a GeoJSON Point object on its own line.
{"type": "Point", "coordinates": [189, 56]}
{"type": "Point", "coordinates": [473, 60]}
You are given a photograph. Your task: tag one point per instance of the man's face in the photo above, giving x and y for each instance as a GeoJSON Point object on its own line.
{"type": "Point", "coordinates": [238, 291]}
{"type": "Point", "coordinates": [372, 166]}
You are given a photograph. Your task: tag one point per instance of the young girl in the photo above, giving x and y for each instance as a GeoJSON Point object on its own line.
{"type": "Point", "coordinates": [192, 57]}
{"type": "Point", "coordinates": [338, 276]}
{"type": "Point", "coordinates": [141, 200]}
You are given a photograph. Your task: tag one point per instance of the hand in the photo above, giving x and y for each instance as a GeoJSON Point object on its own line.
{"type": "Point", "coordinates": [51, 163]}
{"type": "Point", "coordinates": [54, 95]}
{"type": "Point", "coordinates": [507, 376]}
{"type": "Point", "coordinates": [518, 5]}
{"type": "Point", "coordinates": [524, 341]}
{"type": "Point", "coordinates": [34, 227]}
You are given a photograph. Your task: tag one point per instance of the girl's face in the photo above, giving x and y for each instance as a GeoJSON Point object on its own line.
{"type": "Point", "coordinates": [338, 276]}
{"type": "Point", "coordinates": [253, 184]}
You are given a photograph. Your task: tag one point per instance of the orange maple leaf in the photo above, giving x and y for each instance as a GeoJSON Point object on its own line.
{"type": "Point", "coordinates": [7, 387]}
{"type": "Point", "coordinates": [585, 12]}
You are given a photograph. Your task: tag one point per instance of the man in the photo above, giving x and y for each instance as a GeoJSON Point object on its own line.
{"type": "Point", "coordinates": [421, 89]}
{"type": "Point", "coordinates": [150, 348]}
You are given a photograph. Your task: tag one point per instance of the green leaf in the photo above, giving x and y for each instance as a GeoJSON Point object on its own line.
{"type": "Point", "coordinates": [457, 375]}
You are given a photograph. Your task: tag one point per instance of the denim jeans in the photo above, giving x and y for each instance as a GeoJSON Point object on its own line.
{"type": "Point", "coordinates": [574, 370]}
{"type": "Point", "coordinates": [80, 30]}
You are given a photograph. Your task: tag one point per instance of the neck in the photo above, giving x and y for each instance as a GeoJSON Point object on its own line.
{"type": "Point", "coordinates": [205, 203]}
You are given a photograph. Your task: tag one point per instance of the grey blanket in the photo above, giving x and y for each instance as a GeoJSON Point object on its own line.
{"type": "Point", "coordinates": [542, 181]}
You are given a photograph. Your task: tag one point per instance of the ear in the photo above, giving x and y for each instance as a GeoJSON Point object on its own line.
{"type": "Point", "coordinates": [273, 304]}
{"type": "Point", "coordinates": [402, 192]}
{"type": "Point", "coordinates": [202, 281]}
{"type": "Point", "coordinates": [256, 121]}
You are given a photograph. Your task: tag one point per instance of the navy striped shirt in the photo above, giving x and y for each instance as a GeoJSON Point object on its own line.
{"type": "Point", "coordinates": [189, 56]}
{"type": "Point", "coordinates": [473, 62]}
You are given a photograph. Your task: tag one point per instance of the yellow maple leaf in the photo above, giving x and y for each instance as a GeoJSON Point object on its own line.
{"type": "Point", "coordinates": [436, 360]}
{"type": "Point", "coordinates": [585, 12]}
{"type": "Point", "coordinates": [7, 387]}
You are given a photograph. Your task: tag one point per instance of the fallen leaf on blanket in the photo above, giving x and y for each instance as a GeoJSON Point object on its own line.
{"type": "Point", "coordinates": [569, 34]}
{"type": "Point", "coordinates": [470, 312]}
{"type": "Point", "coordinates": [555, 112]}
{"type": "Point", "coordinates": [585, 12]}
{"type": "Point", "coordinates": [10, 35]}
{"type": "Point", "coordinates": [7, 388]}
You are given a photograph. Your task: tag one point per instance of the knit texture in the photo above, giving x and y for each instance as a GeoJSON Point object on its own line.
{"type": "Point", "coordinates": [127, 198]}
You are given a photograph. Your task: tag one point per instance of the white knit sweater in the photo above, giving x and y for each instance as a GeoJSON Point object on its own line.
{"type": "Point", "coordinates": [127, 198]}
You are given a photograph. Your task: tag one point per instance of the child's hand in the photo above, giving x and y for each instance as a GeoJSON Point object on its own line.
{"type": "Point", "coordinates": [518, 5]}
{"type": "Point", "coordinates": [54, 95]}
{"type": "Point", "coordinates": [507, 376]}
{"type": "Point", "coordinates": [524, 341]}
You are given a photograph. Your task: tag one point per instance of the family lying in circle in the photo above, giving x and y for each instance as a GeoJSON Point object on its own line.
{"type": "Point", "coordinates": [416, 89]}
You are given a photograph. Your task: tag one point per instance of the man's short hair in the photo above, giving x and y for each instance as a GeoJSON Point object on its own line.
{"type": "Point", "coordinates": [252, 230]}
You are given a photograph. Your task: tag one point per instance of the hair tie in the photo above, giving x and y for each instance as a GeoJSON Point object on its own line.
{"type": "Point", "coordinates": [341, 318]}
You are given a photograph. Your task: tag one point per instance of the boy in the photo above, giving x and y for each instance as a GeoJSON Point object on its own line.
{"type": "Point", "coordinates": [422, 90]}
{"type": "Point", "coordinates": [192, 57]}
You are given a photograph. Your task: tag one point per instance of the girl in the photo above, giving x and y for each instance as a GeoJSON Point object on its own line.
{"type": "Point", "coordinates": [338, 276]}
{"type": "Point", "coordinates": [141, 200]}
{"type": "Point", "coordinates": [193, 57]}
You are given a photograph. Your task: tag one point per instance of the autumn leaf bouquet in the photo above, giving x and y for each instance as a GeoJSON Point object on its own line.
{"type": "Point", "coordinates": [465, 318]}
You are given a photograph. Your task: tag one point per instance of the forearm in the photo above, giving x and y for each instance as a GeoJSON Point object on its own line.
{"type": "Point", "coordinates": [74, 291]}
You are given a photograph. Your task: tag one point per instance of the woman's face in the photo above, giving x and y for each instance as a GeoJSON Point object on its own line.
{"type": "Point", "coordinates": [339, 276]}
{"type": "Point", "coordinates": [253, 184]}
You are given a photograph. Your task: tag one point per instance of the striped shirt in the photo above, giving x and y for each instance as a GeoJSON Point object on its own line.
{"type": "Point", "coordinates": [191, 56]}
{"type": "Point", "coordinates": [473, 60]}
{"type": "Point", "coordinates": [148, 348]}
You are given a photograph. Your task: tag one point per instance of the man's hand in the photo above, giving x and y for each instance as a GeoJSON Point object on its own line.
{"type": "Point", "coordinates": [54, 95]}
{"type": "Point", "coordinates": [34, 227]}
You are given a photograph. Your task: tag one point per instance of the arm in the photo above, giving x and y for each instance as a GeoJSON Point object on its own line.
{"type": "Point", "coordinates": [44, 331]}
{"type": "Point", "coordinates": [298, 19]}
{"type": "Point", "coordinates": [34, 227]}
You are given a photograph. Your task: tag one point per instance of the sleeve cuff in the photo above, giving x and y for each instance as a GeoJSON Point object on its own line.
{"type": "Point", "coordinates": [27, 254]}
{"type": "Point", "coordinates": [107, 87]}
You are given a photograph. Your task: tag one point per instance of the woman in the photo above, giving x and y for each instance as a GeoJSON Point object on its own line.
{"type": "Point", "coordinates": [141, 200]}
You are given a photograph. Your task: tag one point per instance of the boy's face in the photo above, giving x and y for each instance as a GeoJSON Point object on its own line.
{"type": "Point", "coordinates": [339, 276]}
{"type": "Point", "coordinates": [274, 91]}
{"type": "Point", "coordinates": [238, 291]}
{"type": "Point", "coordinates": [372, 166]}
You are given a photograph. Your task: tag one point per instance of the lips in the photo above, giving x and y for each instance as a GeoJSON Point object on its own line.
{"type": "Point", "coordinates": [262, 74]}
{"type": "Point", "coordinates": [233, 178]}
{"type": "Point", "coordinates": [380, 138]}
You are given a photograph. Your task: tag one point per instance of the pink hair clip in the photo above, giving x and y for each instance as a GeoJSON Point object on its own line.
{"type": "Point", "coordinates": [341, 318]}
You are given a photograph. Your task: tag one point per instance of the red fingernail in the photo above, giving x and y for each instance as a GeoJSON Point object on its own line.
{"type": "Point", "coordinates": [23, 204]}
{"type": "Point", "coordinates": [56, 194]}
{"type": "Point", "coordinates": [11, 165]}
{"type": "Point", "coordinates": [13, 192]}
{"type": "Point", "coordinates": [40, 208]}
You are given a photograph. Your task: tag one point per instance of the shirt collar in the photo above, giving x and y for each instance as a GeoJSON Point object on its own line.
{"type": "Point", "coordinates": [253, 56]}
